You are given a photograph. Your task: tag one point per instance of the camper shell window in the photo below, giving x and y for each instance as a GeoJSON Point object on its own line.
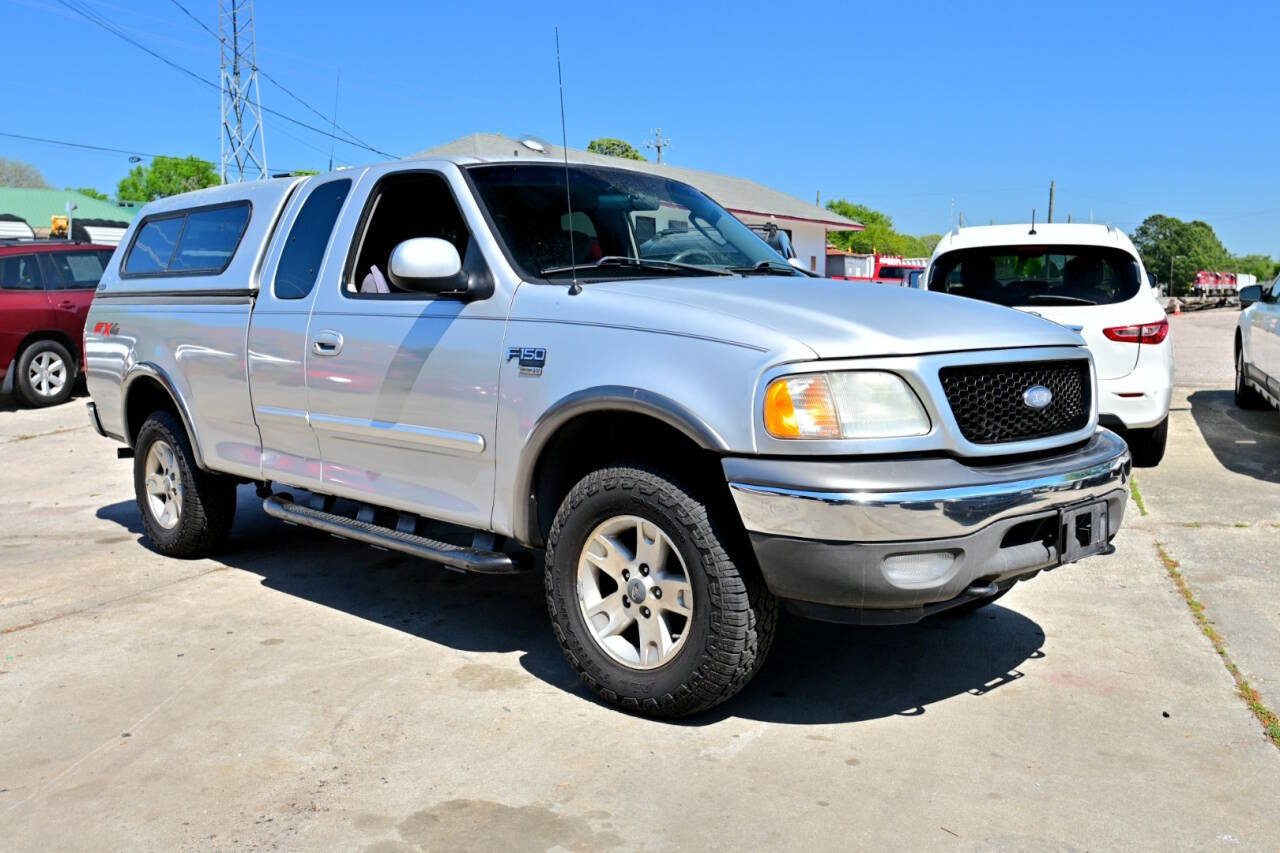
{"type": "Point", "coordinates": [196, 241]}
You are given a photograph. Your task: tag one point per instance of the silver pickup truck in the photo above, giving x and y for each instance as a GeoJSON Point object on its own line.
{"type": "Point", "coordinates": [488, 363]}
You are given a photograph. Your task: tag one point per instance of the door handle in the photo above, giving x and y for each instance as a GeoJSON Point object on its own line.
{"type": "Point", "coordinates": [326, 343]}
{"type": "Point", "coordinates": [66, 303]}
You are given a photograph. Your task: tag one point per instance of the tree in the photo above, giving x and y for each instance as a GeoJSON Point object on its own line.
{"type": "Point", "coordinates": [90, 192]}
{"type": "Point", "coordinates": [16, 173]}
{"type": "Point", "coordinates": [166, 176]}
{"type": "Point", "coordinates": [1190, 246]}
{"type": "Point", "coordinates": [1262, 266]}
{"type": "Point", "coordinates": [614, 148]}
{"type": "Point", "coordinates": [879, 234]}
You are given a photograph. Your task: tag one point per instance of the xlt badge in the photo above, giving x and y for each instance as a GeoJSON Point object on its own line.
{"type": "Point", "coordinates": [532, 359]}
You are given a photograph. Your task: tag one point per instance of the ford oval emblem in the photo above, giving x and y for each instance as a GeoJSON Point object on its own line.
{"type": "Point", "coordinates": [1037, 397]}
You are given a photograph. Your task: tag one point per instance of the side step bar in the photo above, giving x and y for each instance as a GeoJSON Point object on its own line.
{"type": "Point", "coordinates": [452, 556]}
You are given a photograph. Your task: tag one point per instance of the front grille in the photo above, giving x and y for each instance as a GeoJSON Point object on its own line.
{"type": "Point", "coordinates": [987, 399]}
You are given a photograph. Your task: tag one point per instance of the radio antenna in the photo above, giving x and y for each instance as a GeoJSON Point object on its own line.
{"type": "Point", "coordinates": [575, 288]}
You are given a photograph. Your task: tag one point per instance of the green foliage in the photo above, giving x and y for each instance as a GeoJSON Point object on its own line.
{"type": "Point", "coordinates": [1192, 246]}
{"type": "Point", "coordinates": [17, 173]}
{"type": "Point", "coordinates": [302, 173]}
{"type": "Point", "coordinates": [614, 148]}
{"type": "Point", "coordinates": [1264, 267]}
{"type": "Point", "coordinates": [166, 176]}
{"type": "Point", "coordinates": [90, 192]}
{"type": "Point", "coordinates": [879, 235]}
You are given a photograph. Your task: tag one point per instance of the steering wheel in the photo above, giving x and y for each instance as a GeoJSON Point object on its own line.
{"type": "Point", "coordinates": [693, 256]}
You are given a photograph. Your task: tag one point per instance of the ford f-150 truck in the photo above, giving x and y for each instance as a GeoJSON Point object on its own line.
{"type": "Point", "coordinates": [475, 361]}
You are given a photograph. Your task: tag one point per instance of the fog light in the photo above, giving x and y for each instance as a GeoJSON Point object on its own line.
{"type": "Point", "coordinates": [918, 569]}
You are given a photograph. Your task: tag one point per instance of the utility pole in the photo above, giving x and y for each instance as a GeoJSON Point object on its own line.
{"type": "Point", "coordinates": [244, 148]}
{"type": "Point", "coordinates": [817, 199]}
{"type": "Point", "coordinates": [1051, 201]}
{"type": "Point", "coordinates": [658, 143]}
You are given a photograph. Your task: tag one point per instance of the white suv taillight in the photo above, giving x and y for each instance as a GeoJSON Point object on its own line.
{"type": "Point", "coordinates": [1146, 333]}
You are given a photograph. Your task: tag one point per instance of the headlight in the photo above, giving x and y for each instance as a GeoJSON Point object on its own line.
{"type": "Point", "coordinates": [849, 404]}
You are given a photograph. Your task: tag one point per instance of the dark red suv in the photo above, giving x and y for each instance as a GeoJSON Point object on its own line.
{"type": "Point", "coordinates": [45, 291]}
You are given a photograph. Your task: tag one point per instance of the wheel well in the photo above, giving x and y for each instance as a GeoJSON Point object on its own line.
{"type": "Point", "coordinates": [51, 335]}
{"type": "Point", "coordinates": [144, 396]}
{"type": "Point", "coordinates": [600, 439]}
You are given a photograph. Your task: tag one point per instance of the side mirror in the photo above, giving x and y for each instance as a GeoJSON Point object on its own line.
{"type": "Point", "coordinates": [426, 264]}
{"type": "Point", "coordinates": [1250, 295]}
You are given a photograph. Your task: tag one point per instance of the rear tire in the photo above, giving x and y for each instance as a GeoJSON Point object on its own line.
{"type": "Point", "coordinates": [646, 655]}
{"type": "Point", "coordinates": [46, 373]}
{"type": "Point", "coordinates": [1148, 445]}
{"type": "Point", "coordinates": [1247, 396]}
{"type": "Point", "coordinates": [187, 512]}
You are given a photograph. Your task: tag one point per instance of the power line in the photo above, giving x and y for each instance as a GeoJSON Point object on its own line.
{"type": "Point", "coordinates": [92, 17]}
{"type": "Point", "coordinates": [277, 83]}
{"type": "Point", "coordinates": [85, 146]}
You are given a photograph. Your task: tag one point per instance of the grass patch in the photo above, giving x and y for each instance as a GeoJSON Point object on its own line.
{"type": "Point", "coordinates": [1191, 524]}
{"type": "Point", "coordinates": [1270, 722]}
{"type": "Point", "coordinates": [1137, 495]}
{"type": "Point", "coordinates": [1241, 524]}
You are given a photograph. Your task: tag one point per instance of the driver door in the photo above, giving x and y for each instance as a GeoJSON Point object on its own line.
{"type": "Point", "coordinates": [402, 386]}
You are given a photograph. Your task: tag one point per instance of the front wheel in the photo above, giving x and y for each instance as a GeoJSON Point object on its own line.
{"type": "Point", "coordinates": [647, 602]}
{"type": "Point", "coordinates": [1247, 396]}
{"type": "Point", "coordinates": [1148, 445]}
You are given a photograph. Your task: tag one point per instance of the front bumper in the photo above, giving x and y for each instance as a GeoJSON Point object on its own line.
{"type": "Point", "coordinates": [892, 540]}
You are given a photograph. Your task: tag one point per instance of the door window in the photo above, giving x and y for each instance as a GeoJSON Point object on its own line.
{"type": "Point", "coordinates": [401, 207]}
{"type": "Point", "coordinates": [76, 270]}
{"type": "Point", "coordinates": [308, 238]}
{"type": "Point", "coordinates": [20, 272]}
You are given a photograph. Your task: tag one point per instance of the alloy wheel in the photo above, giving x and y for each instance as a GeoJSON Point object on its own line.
{"type": "Point", "coordinates": [47, 374]}
{"type": "Point", "coordinates": [164, 485]}
{"type": "Point", "coordinates": [634, 592]}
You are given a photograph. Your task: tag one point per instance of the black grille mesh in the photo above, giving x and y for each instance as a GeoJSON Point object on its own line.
{"type": "Point", "coordinates": [986, 399]}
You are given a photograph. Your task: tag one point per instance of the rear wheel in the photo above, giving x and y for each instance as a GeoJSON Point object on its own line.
{"type": "Point", "coordinates": [46, 373]}
{"type": "Point", "coordinates": [186, 512]}
{"type": "Point", "coordinates": [1148, 445]}
{"type": "Point", "coordinates": [649, 606]}
{"type": "Point", "coordinates": [1246, 396]}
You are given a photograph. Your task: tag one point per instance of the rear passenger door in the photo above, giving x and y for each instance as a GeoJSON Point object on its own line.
{"type": "Point", "coordinates": [70, 279]}
{"type": "Point", "coordinates": [24, 306]}
{"type": "Point", "coordinates": [278, 333]}
{"type": "Point", "coordinates": [402, 386]}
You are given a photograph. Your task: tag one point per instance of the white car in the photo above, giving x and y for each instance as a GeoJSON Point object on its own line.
{"type": "Point", "coordinates": [1258, 346]}
{"type": "Point", "coordinates": [1090, 279]}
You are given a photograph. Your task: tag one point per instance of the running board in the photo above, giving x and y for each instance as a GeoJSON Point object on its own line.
{"type": "Point", "coordinates": [452, 556]}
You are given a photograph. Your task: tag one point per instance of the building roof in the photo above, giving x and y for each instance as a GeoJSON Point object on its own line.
{"type": "Point", "coordinates": [738, 195]}
{"type": "Point", "coordinates": [37, 205]}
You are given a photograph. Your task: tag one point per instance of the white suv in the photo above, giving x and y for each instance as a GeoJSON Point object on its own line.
{"type": "Point", "coordinates": [1258, 346]}
{"type": "Point", "coordinates": [1090, 279]}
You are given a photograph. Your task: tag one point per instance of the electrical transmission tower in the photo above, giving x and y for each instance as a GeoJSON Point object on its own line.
{"type": "Point", "coordinates": [244, 148]}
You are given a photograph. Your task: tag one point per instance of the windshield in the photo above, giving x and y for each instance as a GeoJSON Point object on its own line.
{"type": "Point", "coordinates": [894, 272]}
{"type": "Point", "coordinates": [1038, 275]}
{"type": "Point", "coordinates": [624, 224]}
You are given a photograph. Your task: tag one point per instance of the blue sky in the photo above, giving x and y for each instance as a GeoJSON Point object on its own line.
{"type": "Point", "coordinates": [1133, 107]}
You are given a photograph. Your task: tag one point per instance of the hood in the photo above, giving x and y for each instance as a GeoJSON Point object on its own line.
{"type": "Point", "coordinates": [843, 319]}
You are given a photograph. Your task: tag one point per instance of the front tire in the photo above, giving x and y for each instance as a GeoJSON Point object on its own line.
{"type": "Point", "coordinates": [46, 373]}
{"type": "Point", "coordinates": [649, 606]}
{"type": "Point", "coordinates": [187, 512]}
{"type": "Point", "coordinates": [1247, 396]}
{"type": "Point", "coordinates": [1148, 445]}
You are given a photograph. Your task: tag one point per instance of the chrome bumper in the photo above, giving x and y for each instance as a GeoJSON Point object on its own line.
{"type": "Point", "coordinates": [914, 499]}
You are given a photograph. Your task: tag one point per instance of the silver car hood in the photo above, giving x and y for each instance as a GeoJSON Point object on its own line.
{"type": "Point", "coordinates": [843, 319]}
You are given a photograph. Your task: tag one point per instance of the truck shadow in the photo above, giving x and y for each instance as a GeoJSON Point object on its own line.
{"type": "Point", "coordinates": [816, 673]}
{"type": "Point", "coordinates": [1243, 442]}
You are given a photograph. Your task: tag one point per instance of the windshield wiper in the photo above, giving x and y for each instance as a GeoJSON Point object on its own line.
{"type": "Point", "coordinates": [766, 266]}
{"type": "Point", "coordinates": [1047, 297]}
{"type": "Point", "coordinates": [622, 261]}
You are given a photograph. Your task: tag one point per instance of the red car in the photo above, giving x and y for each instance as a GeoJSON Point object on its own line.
{"type": "Point", "coordinates": [45, 290]}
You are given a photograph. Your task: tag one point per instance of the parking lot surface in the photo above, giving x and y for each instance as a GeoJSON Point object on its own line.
{"type": "Point", "coordinates": [300, 691]}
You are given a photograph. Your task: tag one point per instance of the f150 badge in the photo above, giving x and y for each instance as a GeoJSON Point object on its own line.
{"type": "Point", "coordinates": [532, 359]}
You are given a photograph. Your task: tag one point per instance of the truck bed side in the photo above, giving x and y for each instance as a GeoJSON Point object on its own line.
{"type": "Point", "coordinates": [184, 334]}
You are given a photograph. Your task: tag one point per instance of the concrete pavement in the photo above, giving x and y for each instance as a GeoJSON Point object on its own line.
{"type": "Point", "coordinates": [301, 692]}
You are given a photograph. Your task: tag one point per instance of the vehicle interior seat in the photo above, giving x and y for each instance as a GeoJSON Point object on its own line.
{"type": "Point", "coordinates": [1082, 278]}
{"type": "Point", "coordinates": [374, 282]}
